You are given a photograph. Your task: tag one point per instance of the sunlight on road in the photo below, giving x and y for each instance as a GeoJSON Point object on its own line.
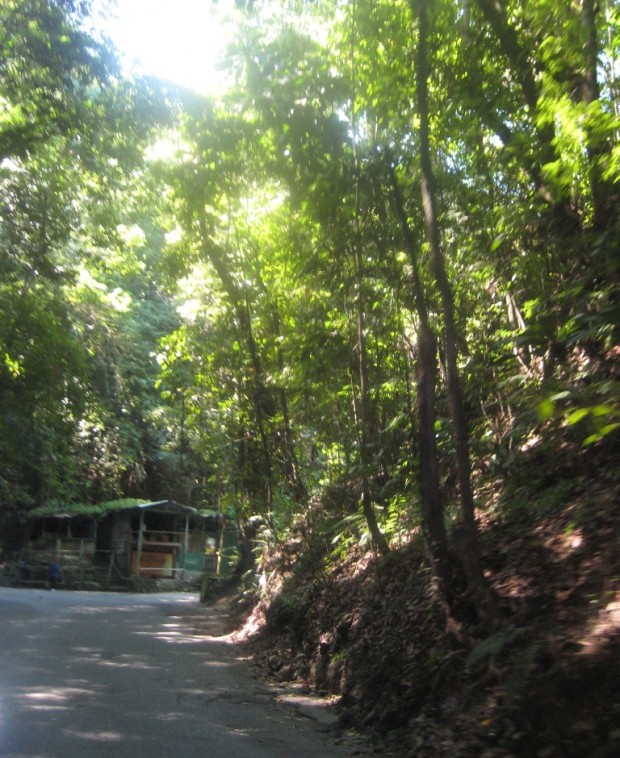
{"type": "Point", "coordinates": [53, 699]}
{"type": "Point", "coordinates": [174, 636]}
{"type": "Point", "coordinates": [141, 665]}
{"type": "Point", "coordinates": [134, 677]}
{"type": "Point", "coordinates": [121, 660]}
{"type": "Point", "coordinates": [177, 633]}
{"type": "Point", "coordinates": [96, 736]}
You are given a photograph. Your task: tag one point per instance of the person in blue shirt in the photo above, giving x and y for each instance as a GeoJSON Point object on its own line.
{"type": "Point", "coordinates": [54, 573]}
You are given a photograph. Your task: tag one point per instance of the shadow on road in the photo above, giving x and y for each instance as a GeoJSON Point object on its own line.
{"type": "Point", "coordinates": [95, 674]}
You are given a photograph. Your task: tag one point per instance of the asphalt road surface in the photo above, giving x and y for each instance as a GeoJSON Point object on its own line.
{"type": "Point", "coordinates": [102, 674]}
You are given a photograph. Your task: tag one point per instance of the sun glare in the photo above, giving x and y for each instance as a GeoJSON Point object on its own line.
{"type": "Point", "coordinates": [178, 40]}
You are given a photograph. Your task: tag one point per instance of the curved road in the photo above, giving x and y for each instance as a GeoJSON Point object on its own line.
{"type": "Point", "coordinates": [104, 674]}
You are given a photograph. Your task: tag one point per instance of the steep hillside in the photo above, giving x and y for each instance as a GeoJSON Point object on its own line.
{"type": "Point", "coordinates": [369, 630]}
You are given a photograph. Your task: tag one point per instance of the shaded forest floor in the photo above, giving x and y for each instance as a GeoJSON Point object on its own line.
{"type": "Point", "coordinates": [367, 629]}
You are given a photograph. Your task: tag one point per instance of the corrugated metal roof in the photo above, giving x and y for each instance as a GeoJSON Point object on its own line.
{"type": "Point", "coordinates": [165, 505]}
{"type": "Point", "coordinates": [113, 506]}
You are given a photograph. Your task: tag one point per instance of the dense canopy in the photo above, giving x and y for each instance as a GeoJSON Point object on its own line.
{"type": "Point", "coordinates": [369, 281]}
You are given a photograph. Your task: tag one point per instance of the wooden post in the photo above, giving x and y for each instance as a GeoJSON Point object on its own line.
{"type": "Point", "coordinates": [220, 548]}
{"type": "Point", "coordinates": [81, 565]}
{"type": "Point", "coordinates": [140, 538]}
{"type": "Point", "coordinates": [110, 567]}
{"type": "Point", "coordinates": [185, 544]}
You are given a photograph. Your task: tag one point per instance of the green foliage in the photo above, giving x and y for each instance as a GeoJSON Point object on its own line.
{"type": "Point", "coordinates": [97, 509]}
{"type": "Point", "coordinates": [208, 309]}
{"type": "Point", "coordinates": [594, 421]}
{"type": "Point", "coordinates": [74, 381]}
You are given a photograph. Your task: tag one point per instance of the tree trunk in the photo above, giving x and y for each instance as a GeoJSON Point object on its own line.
{"type": "Point", "coordinates": [518, 57]}
{"type": "Point", "coordinates": [510, 44]}
{"type": "Point", "coordinates": [604, 195]}
{"type": "Point", "coordinates": [365, 422]}
{"type": "Point", "coordinates": [300, 493]}
{"type": "Point", "coordinates": [260, 395]}
{"type": "Point", "coordinates": [426, 380]}
{"type": "Point", "coordinates": [378, 538]}
{"type": "Point", "coordinates": [478, 587]}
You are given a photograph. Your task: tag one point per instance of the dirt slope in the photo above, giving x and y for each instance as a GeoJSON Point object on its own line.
{"type": "Point", "coordinates": [367, 629]}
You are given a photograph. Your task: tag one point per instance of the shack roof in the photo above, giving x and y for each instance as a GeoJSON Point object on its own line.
{"type": "Point", "coordinates": [102, 509]}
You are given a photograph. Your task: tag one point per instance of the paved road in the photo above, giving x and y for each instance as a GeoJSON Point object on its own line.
{"type": "Point", "coordinates": [101, 674]}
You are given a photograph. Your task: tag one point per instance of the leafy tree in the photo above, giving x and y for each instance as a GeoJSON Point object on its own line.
{"type": "Point", "coordinates": [390, 248]}
{"type": "Point", "coordinates": [71, 138]}
{"type": "Point", "coordinates": [497, 165]}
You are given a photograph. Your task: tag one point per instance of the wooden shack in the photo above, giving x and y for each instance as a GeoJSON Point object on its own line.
{"type": "Point", "coordinates": [128, 538]}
